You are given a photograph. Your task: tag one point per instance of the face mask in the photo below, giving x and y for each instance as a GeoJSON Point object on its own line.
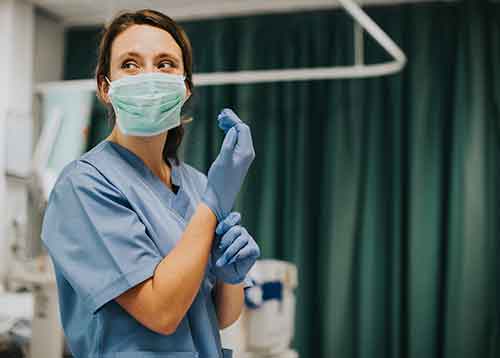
{"type": "Point", "coordinates": [147, 104]}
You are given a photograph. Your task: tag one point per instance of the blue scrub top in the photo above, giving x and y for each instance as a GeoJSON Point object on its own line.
{"type": "Point", "coordinates": [108, 223]}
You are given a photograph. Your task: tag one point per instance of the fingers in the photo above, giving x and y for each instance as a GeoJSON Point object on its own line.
{"type": "Point", "coordinates": [229, 237]}
{"type": "Point", "coordinates": [248, 252]}
{"type": "Point", "coordinates": [244, 140]}
{"type": "Point", "coordinates": [251, 250]}
{"type": "Point", "coordinates": [229, 141]}
{"type": "Point", "coordinates": [227, 119]}
{"type": "Point", "coordinates": [231, 220]}
{"type": "Point", "coordinates": [233, 249]}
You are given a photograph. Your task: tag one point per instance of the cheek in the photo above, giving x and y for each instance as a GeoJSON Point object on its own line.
{"type": "Point", "coordinates": [115, 73]}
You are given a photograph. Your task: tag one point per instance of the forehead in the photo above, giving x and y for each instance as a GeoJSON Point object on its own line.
{"type": "Point", "coordinates": [145, 40]}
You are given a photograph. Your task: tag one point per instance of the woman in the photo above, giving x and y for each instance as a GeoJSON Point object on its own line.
{"type": "Point", "coordinates": [130, 229]}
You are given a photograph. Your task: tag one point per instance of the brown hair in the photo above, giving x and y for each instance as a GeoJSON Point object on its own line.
{"type": "Point", "coordinates": [153, 18]}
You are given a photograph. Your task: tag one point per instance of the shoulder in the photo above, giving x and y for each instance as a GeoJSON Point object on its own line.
{"type": "Point", "coordinates": [101, 155]}
{"type": "Point", "coordinates": [81, 177]}
{"type": "Point", "coordinates": [91, 166]}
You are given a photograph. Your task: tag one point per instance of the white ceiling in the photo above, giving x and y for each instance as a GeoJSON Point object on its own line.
{"type": "Point", "coordinates": [87, 12]}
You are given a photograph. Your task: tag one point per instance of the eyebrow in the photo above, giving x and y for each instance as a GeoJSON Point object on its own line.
{"type": "Point", "coordinates": [138, 55]}
{"type": "Point", "coordinates": [128, 54]}
{"type": "Point", "coordinates": [168, 55]}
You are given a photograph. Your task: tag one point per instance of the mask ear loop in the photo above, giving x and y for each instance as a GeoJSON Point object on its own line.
{"type": "Point", "coordinates": [109, 83]}
{"type": "Point", "coordinates": [184, 100]}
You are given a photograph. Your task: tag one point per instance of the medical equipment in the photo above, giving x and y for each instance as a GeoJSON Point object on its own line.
{"type": "Point", "coordinates": [15, 326]}
{"type": "Point", "coordinates": [64, 117]}
{"type": "Point", "coordinates": [148, 104]}
{"type": "Point", "coordinates": [266, 326]}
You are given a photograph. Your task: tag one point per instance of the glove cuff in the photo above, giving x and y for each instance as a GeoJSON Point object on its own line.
{"type": "Point", "coordinates": [211, 199]}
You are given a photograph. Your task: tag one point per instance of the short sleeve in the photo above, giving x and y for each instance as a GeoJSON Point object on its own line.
{"type": "Point", "coordinates": [95, 239]}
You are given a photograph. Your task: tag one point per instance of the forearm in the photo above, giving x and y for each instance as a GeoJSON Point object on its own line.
{"type": "Point", "coordinates": [178, 277]}
{"type": "Point", "coordinates": [229, 303]}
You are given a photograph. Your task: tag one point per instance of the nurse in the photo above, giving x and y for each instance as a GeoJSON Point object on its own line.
{"type": "Point", "coordinates": [149, 259]}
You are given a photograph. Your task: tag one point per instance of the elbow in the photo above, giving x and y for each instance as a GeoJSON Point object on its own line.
{"type": "Point", "coordinates": [168, 325]}
{"type": "Point", "coordinates": [223, 325]}
{"type": "Point", "coordinates": [168, 317]}
{"type": "Point", "coordinates": [226, 324]}
{"type": "Point", "coordinates": [228, 321]}
{"type": "Point", "coordinates": [167, 329]}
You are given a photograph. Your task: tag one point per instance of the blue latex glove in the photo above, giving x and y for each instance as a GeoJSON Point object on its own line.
{"type": "Point", "coordinates": [234, 252]}
{"type": "Point", "coordinates": [228, 171]}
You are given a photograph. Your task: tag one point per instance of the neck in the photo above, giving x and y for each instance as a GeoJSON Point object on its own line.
{"type": "Point", "coordinates": [149, 149]}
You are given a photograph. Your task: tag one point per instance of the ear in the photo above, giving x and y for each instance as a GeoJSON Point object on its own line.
{"type": "Point", "coordinates": [103, 90]}
{"type": "Point", "coordinates": [188, 91]}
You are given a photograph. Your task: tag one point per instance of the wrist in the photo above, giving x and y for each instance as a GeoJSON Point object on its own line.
{"type": "Point", "coordinates": [220, 283]}
{"type": "Point", "coordinates": [230, 279]}
{"type": "Point", "coordinates": [207, 213]}
{"type": "Point", "coordinates": [210, 199]}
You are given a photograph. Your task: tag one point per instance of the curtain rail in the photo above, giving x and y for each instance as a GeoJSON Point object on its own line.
{"type": "Point", "coordinates": [299, 74]}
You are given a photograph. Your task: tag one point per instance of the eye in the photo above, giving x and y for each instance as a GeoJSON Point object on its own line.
{"type": "Point", "coordinates": [166, 64]}
{"type": "Point", "coordinates": [129, 65]}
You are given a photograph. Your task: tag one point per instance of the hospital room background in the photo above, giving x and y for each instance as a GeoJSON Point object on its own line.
{"type": "Point", "coordinates": [373, 196]}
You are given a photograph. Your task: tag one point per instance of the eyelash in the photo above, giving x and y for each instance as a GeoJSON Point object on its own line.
{"type": "Point", "coordinates": [171, 63]}
{"type": "Point", "coordinates": [126, 63]}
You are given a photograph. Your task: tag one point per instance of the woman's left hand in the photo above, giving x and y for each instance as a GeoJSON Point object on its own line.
{"type": "Point", "coordinates": [236, 251]}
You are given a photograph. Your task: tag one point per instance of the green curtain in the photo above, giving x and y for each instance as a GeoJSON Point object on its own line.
{"type": "Point", "coordinates": [382, 191]}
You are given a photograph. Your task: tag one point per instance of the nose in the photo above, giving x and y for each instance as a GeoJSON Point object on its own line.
{"type": "Point", "coordinates": [149, 68]}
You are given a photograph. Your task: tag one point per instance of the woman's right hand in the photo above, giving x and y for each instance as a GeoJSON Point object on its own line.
{"type": "Point", "coordinates": [228, 171]}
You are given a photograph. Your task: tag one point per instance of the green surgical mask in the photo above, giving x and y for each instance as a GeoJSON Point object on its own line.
{"type": "Point", "coordinates": [147, 104]}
